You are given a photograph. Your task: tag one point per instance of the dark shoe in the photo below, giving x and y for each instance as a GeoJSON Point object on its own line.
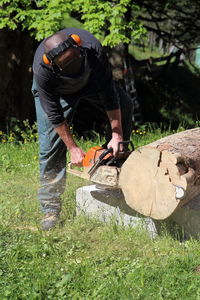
{"type": "Point", "coordinates": [49, 221]}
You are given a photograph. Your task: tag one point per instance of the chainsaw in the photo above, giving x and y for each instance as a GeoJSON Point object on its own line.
{"type": "Point", "coordinates": [101, 167]}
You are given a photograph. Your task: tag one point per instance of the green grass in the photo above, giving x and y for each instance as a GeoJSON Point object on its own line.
{"type": "Point", "coordinates": [84, 258]}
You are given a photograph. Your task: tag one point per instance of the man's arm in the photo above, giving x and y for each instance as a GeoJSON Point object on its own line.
{"type": "Point", "coordinates": [102, 75]}
{"type": "Point", "coordinates": [116, 126]}
{"type": "Point", "coordinates": [76, 152]}
{"type": "Point", "coordinates": [51, 106]}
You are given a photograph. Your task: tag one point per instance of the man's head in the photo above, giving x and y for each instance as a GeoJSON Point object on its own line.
{"type": "Point", "coordinates": [62, 50]}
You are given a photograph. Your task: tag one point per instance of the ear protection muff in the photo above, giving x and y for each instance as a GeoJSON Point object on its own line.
{"type": "Point", "coordinates": [76, 39]}
{"type": "Point", "coordinates": [46, 60]}
{"type": "Point", "coordinates": [72, 41]}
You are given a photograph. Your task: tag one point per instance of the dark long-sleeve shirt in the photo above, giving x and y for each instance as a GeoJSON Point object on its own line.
{"type": "Point", "coordinates": [52, 85]}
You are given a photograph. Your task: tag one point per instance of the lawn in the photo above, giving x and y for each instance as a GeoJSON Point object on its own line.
{"type": "Point", "coordinates": [83, 258]}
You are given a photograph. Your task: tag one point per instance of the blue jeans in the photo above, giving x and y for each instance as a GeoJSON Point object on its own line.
{"type": "Point", "coordinates": [52, 156]}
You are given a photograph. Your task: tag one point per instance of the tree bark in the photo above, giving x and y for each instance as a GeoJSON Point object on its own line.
{"type": "Point", "coordinates": [161, 176]}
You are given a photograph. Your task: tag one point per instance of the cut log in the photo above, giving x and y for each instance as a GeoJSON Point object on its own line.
{"type": "Point", "coordinates": [161, 176]}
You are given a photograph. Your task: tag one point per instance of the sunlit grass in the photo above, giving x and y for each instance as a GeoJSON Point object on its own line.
{"type": "Point", "coordinates": [83, 258]}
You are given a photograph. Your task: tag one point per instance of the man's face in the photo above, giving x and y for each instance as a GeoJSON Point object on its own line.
{"type": "Point", "coordinates": [69, 61]}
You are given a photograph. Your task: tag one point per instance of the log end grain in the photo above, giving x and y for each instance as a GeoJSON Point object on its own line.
{"type": "Point", "coordinates": [149, 180]}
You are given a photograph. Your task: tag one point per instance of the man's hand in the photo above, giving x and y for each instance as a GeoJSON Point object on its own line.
{"type": "Point", "coordinates": [77, 155]}
{"type": "Point", "coordinates": [114, 144]}
{"type": "Point", "coordinates": [117, 134]}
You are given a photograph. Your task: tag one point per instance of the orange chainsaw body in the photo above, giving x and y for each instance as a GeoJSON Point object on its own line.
{"type": "Point", "coordinates": [101, 167]}
{"type": "Point", "coordinates": [92, 156]}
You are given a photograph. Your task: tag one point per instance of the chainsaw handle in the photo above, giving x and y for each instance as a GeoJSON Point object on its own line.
{"type": "Point", "coordinates": [99, 160]}
{"type": "Point", "coordinates": [126, 143]}
{"type": "Point", "coordinates": [110, 150]}
{"type": "Point", "coordinates": [107, 151]}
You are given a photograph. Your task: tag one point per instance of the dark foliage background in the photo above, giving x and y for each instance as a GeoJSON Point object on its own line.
{"type": "Point", "coordinates": [166, 85]}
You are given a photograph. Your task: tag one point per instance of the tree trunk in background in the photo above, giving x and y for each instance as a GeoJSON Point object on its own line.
{"type": "Point", "coordinates": [16, 54]}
